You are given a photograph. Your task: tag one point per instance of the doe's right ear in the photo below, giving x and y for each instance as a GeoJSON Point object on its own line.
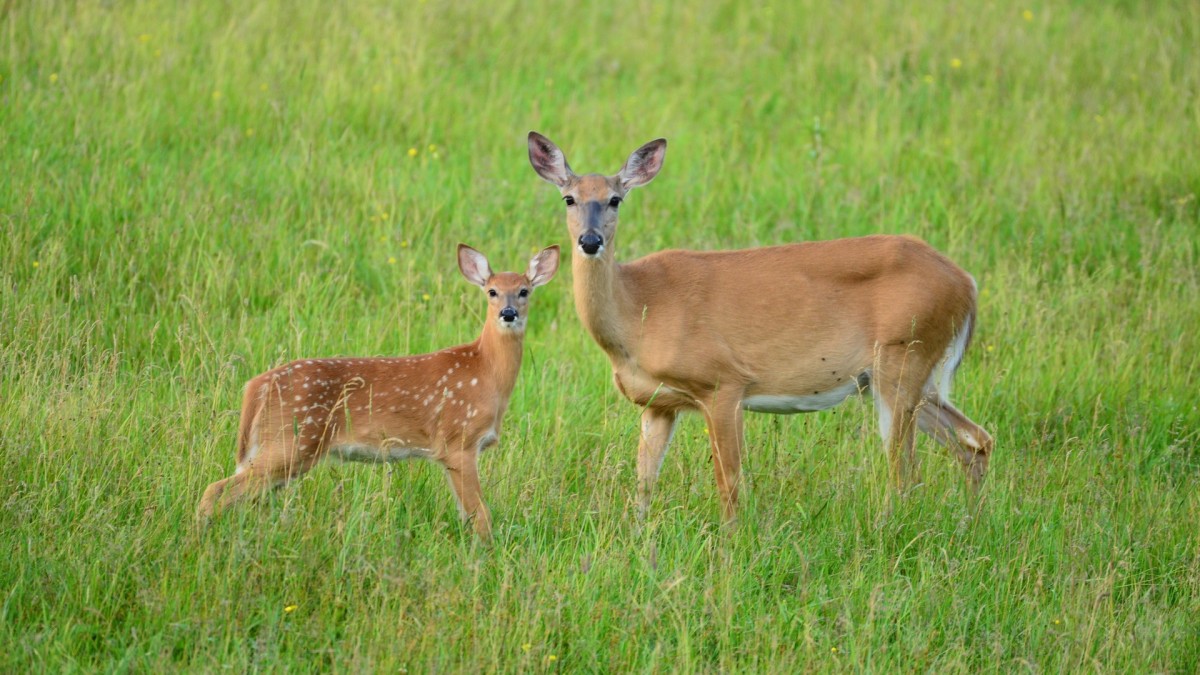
{"type": "Point", "coordinates": [548, 161]}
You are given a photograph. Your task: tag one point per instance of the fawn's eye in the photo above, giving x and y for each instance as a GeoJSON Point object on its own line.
{"type": "Point", "coordinates": [492, 293]}
{"type": "Point", "coordinates": [614, 202]}
{"type": "Point", "coordinates": [569, 200]}
{"type": "Point", "coordinates": [524, 293]}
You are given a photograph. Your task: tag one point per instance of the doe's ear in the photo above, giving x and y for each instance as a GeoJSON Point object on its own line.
{"type": "Point", "coordinates": [548, 161]}
{"type": "Point", "coordinates": [643, 165]}
{"type": "Point", "coordinates": [474, 265]}
{"type": "Point", "coordinates": [543, 266]}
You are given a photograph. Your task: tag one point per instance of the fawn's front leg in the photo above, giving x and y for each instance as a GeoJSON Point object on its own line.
{"type": "Point", "coordinates": [462, 470]}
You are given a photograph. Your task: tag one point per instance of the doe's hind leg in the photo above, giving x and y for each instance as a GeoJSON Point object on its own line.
{"type": "Point", "coordinates": [970, 443]}
{"type": "Point", "coordinates": [896, 386]}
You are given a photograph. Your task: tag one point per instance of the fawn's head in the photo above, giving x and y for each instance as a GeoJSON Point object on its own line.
{"type": "Point", "coordinates": [508, 292]}
{"type": "Point", "coordinates": [592, 199]}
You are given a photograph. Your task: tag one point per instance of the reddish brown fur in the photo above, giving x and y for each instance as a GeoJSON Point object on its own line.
{"type": "Point", "coordinates": [710, 331]}
{"type": "Point", "coordinates": [446, 406]}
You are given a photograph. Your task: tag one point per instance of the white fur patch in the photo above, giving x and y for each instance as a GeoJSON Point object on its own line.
{"type": "Point", "coordinates": [942, 377]}
{"type": "Point", "coordinates": [885, 414]}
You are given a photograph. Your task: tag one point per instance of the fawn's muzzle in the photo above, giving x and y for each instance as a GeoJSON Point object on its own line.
{"type": "Point", "coordinates": [508, 314]}
{"type": "Point", "coordinates": [591, 243]}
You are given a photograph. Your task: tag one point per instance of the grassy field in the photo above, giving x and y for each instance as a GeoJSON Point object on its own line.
{"type": "Point", "coordinates": [192, 194]}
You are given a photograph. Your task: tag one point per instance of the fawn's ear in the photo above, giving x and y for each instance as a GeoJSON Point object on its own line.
{"type": "Point", "coordinates": [643, 165]}
{"type": "Point", "coordinates": [548, 161]}
{"type": "Point", "coordinates": [474, 265]}
{"type": "Point", "coordinates": [543, 266]}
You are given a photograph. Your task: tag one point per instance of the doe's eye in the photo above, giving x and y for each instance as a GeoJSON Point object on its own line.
{"type": "Point", "coordinates": [569, 200]}
{"type": "Point", "coordinates": [614, 202]}
{"type": "Point", "coordinates": [524, 293]}
{"type": "Point", "coordinates": [492, 293]}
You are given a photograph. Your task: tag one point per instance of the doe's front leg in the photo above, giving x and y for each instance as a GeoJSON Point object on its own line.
{"type": "Point", "coordinates": [724, 418]}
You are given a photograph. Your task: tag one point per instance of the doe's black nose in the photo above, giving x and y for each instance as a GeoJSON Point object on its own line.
{"type": "Point", "coordinates": [508, 314]}
{"type": "Point", "coordinates": [591, 243]}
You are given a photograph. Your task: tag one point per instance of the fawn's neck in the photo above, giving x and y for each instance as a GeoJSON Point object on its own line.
{"type": "Point", "coordinates": [501, 350]}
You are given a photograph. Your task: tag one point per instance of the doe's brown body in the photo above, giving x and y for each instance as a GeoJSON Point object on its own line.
{"type": "Point", "coordinates": [781, 329]}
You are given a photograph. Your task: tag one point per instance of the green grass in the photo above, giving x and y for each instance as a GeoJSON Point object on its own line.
{"type": "Point", "coordinates": [192, 194]}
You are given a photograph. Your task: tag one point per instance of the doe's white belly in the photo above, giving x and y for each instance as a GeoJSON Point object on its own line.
{"type": "Point", "coordinates": [783, 404]}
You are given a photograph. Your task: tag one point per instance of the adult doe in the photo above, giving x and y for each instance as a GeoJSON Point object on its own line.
{"type": "Point", "coordinates": [779, 329]}
{"type": "Point", "coordinates": [446, 406]}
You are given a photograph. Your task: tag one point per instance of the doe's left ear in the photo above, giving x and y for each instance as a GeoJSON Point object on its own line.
{"type": "Point", "coordinates": [474, 265]}
{"type": "Point", "coordinates": [644, 164]}
{"type": "Point", "coordinates": [543, 266]}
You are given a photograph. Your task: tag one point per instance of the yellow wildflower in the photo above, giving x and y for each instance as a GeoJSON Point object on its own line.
{"type": "Point", "coordinates": [552, 658]}
{"type": "Point", "coordinates": [404, 244]}
{"type": "Point", "coordinates": [956, 63]}
{"type": "Point", "coordinates": [1027, 15]}
{"type": "Point", "coordinates": [432, 147]}
{"type": "Point", "coordinates": [53, 78]}
{"type": "Point", "coordinates": [928, 79]}
{"type": "Point", "coordinates": [525, 647]}
{"type": "Point", "coordinates": [392, 260]}
{"type": "Point", "coordinates": [833, 650]}
{"type": "Point", "coordinates": [384, 215]}
{"type": "Point", "coordinates": [412, 152]}
{"type": "Point", "coordinates": [290, 608]}
{"type": "Point", "coordinates": [36, 263]}
{"type": "Point", "coordinates": [144, 38]}
{"type": "Point", "coordinates": [217, 95]}
{"type": "Point", "coordinates": [249, 132]}
{"type": "Point", "coordinates": [991, 348]}
{"type": "Point", "coordinates": [425, 297]}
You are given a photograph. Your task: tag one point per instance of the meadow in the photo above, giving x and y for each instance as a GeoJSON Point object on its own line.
{"type": "Point", "coordinates": [191, 193]}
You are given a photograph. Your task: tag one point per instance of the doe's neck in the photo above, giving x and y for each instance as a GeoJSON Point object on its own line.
{"type": "Point", "coordinates": [603, 301]}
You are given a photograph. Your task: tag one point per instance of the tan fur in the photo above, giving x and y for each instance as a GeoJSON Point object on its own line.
{"type": "Point", "coordinates": [446, 406]}
{"type": "Point", "coordinates": [707, 331]}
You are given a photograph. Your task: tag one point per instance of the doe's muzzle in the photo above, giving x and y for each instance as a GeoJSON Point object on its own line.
{"type": "Point", "coordinates": [508, 314]}
{"type": "Point", "coordinates": [590, 242]}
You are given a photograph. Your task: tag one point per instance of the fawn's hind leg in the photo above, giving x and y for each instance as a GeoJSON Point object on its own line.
{"type": "Point", "coordinates": [272, 467]}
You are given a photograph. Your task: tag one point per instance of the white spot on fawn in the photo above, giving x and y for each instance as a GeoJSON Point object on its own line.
{"type": "Point", "coordinates": [474, 381]}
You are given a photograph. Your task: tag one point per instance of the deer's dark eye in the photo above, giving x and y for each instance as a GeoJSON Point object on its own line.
{"type": "Point", "coordinates": [569, 200]}
{"type": "Point", "coordinates": [614, 202]}
{"type": "Point", "coordinates": [524, 293]}
{"type": "Point", "coordinates": [492, 293]}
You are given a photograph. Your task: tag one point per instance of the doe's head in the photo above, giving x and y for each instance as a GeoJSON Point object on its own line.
{"type": "Point", "coordinates": [592, 199]}
{"type": "Point", "coordinates": [508, 292]}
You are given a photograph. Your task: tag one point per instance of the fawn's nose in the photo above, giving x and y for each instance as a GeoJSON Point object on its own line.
{"type": "Point", "coordinates": [590, 242]}
{"type": "Point", "coordinates": [508, 314]}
